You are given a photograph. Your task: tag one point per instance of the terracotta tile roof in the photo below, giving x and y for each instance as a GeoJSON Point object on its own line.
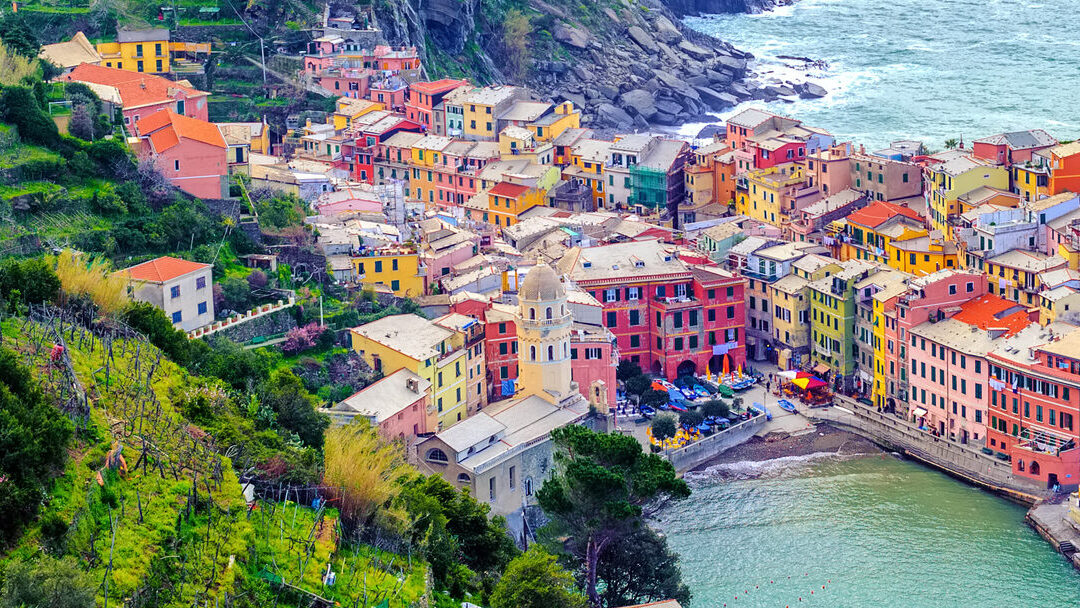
{"type": "Point", "coordinates": [508, 189]}
{"type": "Point", "coordinates": [993, 311]}
{"type": "Point", "coordinates": [166, 128]}
{"type": "Point", "coordinates": [877, 213]}
{"type": "Point", "coordinates": [136, 89]}
{"type": "Point", "coordinates": [439, 86]}
{"type": "Point", "coordinates": [162, 269]}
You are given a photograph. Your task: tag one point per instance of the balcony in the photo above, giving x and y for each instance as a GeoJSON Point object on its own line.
{"type": "Point", "coordinates": [677, 302]}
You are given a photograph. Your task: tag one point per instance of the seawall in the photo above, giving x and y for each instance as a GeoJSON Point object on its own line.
{"type": "Point", "coordinates": [699, 452]}
{"type": "Point", "coordinates": [960, 461]}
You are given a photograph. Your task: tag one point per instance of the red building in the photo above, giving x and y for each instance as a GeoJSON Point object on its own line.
{"type": "Point", "coordinates": [670, 317]}
{"type": "Point", "coordinates": [139, 95]}
{"type": "Point", "coordinates": [1034, 405]}
{"type": "Point", "coordinates": [365, 142]}
{"type": "Point", "coordinates": [1012, 148]}
{"type": "Point", "coordinates": [424, 96]}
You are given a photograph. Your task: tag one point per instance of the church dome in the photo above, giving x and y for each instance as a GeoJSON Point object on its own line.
{"type": "Point", "coordinates": [541, 285]}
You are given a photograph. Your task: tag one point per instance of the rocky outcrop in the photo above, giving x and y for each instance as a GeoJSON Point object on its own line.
{"type": "Point", "coordinates": [628, 65]}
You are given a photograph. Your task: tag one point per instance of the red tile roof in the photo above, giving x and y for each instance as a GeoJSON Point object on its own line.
{"type": "Point", "coordinates": [162, 269]}
{"type": "Point", "coordinates": [875, 214]}
{"type": "Point", "coordinates": [136, 89]}
{"type": "Point", "coordinates": [166, 128]}
{"type": "Point", "coordinates": [993, 311]}
{"type": "Point", "coordinates": [508, 190]}
{"type": "Point", "coordinates": [438, 86]}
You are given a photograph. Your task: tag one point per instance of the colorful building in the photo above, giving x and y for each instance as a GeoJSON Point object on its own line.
{"type": "Point", "coordinates": [670, 317]}
{"type": "Point", "coordinates": [182, 289]}
{"type": "Point", "coordinates": [1034, 411]}
{"type": "Point", "coordinates": [476, 396]}
{"type": "Point", "coordinates": [397, 404]}
{"type": "Point", "coordinates": [435, 354]}
{"type": "Point", "coordinates": [949, 372]}
{"type": "Point", "coordinates": [869, 233]}
{"type": "Point", "coordinates": [1065, 168]}
{"type": "Point", "coordinates": [137, 51]}
{"type": "Point", "coordinates": [395, 266]}
{"type": "Point", "coordinates": [138, 95]}
{"type": "Point", "coordinates": [951, 174]}
{"type": "Point", "coordinates": [832, 321]}
{"type": "Point", "coordinates": [189, 152]}
{"type": "Point", "coordinates": [424, 97]}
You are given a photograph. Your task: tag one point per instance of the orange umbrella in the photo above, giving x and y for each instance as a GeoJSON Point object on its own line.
{"type": "Point", "coordinates": [727, 365]}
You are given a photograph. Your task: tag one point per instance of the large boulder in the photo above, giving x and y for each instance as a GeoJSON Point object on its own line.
{"type": "Point", "coordinates": [571, 36]}
{"type": "Point", "coordinates": [665, 30]}
{"type": "Point", "coordinates": [695, 51]}
{"type": "Point", "coordinates": [720, 78]}
{"type": "Point", "coordinates": [614, 116]}
{"type": "Point", "coordinates": [642, 38]}
{"type": "Point", "coordinates": [733, 63]}
{"type": "Point", "coordinates": [639, 101]}
{"type": "Point", "coordinates": [641, 71]}
{"type": "Point", "coordinates": [810, 90]}
{"type": "Point", "coordinates": [715, 99]}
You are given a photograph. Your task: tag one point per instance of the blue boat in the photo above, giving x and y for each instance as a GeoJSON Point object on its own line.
{"type": "Point", "coordinates": [786, 405]}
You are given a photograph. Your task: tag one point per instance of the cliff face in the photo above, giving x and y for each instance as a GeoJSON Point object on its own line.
{"type": "Point", "coordinates": [629, 64]}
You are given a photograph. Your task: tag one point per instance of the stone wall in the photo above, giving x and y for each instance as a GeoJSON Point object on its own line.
{"type": "Point", "coordinates": [700, 452]}
{"type": "Point", "coordinates": [958, 460]}
{"type": "Point", "coordinates": [272, 324]}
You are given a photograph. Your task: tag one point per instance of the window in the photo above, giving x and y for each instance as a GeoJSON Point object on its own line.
{"type": "Point", "coordinates": [611, 319]}
{"type": "Point", "coordinates": [731, 312]}
{"type": "Point", "coordinates": [635, 317]}
{"type": "Point", "coordinates": [176, 164]}
{"type": "Point", "coordinates": [140, 66]}
{"type": "Point", "coordinates": [678, 344]}
{"type": "Point", "coordinates": [202, 308]}
{"type": "Point", "coordinates": [511, 478]}
{"type": "Point", "coordinates": [491, 488]}
{"type": "Point", "coordinates": [712, 314]}
{"type": "Point", "coordinates": [437, 455]}
{"type": "Point", "coordinates": [504, 348]}
{"type": "Point", "coordinates": [177, 317]}
{"type": "Point", "coordinates": [395, 285]}
{"type": "Point", "coordinates": [611, 295]}
{"type": "Point", "coordinates": [635, 341]}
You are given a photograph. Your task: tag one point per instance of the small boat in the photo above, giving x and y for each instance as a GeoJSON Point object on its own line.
{"type": "Point", "coordinates": [678, 407]}
{"type": "Point", "coordinates": [786, 405]}
{"type": "Point", "coordinates": [700, 391]}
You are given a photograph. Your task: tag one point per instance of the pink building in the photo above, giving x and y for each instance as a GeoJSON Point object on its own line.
{"type": "Point", "coordinates": [925, 296]}
{"type": "Point", "coordinates": [396, 404]}
{"type": "Point", "coordinates": [592, 349]}
{"type": "Point", "coordinates": [138, 94]}
{"type": "Point", "coordinates": [424, 96]}
{"type": "Point", "coordinates": [1016, 147]}
{"type": "Point", "coordinates": [189, 152]}
{"type": "Point", "coordinates": [949, 371]}
{"type": "Point", "coordinates": [443, 247]}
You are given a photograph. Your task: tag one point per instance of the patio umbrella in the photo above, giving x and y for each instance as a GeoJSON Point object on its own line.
{"type": "Point", "coordinates": [740, 370]}
{"type": "Point", "coordinates": [802, 374]}
{"type": "Point", "coordinates": [789, 374]}
{"type": "Point", "coordinates": [656, 386]}
{"type": "Point", "coordinates": [727, 365]}
{"type": "Point", "coordinates": [808, 383]}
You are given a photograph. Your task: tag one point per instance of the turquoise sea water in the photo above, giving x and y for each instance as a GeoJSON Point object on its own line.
{"type": "Point", "coordinates": [926, 69]}
{"type": "Point", "coordinates": [877, 532]}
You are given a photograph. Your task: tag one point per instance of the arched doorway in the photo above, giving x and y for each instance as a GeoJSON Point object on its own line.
{"type": "Point", "coordinates": [657, 369]}
{"type": "Point", "coordinates": [686, 368]}
{"type": "Point", "coordinates": [1034, 469]}
{"type": "Point", "coordinates": [715, 364]}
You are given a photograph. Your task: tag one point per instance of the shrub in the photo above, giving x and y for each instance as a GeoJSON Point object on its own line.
{"type": "Point", "coordinates": [664, 427]}
{"type": "Point", "coordinates": [303, 338]}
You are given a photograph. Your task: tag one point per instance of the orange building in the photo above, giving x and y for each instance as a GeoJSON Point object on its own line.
{"type": "Point", "coordinates": [710, 177]}
{"type": "Point", "coordinates": [1065, 168]}
{"type": "Point", "coordinates": [503, 203]}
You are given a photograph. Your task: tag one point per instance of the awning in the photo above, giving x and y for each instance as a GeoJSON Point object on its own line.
{"type": "Point", "coordinates": [821, 368]}
{"type": "Point", "coordinates": [919, 412]}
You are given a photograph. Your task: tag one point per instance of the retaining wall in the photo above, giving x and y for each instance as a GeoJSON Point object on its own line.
{"type": "Point", "coordinates": [700, 452]}
{"type": "Point", "coordinates": [953, 458]}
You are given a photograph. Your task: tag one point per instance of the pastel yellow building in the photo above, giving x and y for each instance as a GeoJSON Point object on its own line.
{"type": "Point", "coordinates": [395, 267]}
{"type": "Point", "coordinates": [1055, 304]}
{"type": "Point", "coordinates": [348, 109]}
{"type": "Point", "coordinates": [957, 173]}
{"type": "Point", "coordinates": [870, 232]}
{"type": "Point", "coordinates": [519, 143]}
{"type": "Point", "coordinates": [503, 203]}
{"type": "Point", "coordinates": [482, 108]}
{"type": "Point", "coordinates": [1016, 274]}
{"type": "Point", "coordinates": [769, 193]}
{"type": "Point", "coordinates": [436, 354]}
{"type": "Point", "coordinates": [921, 255]}
{"type": "Point", "coordinates": [564, 116]}
{"type": "Point", "coordinates": [137, 51]}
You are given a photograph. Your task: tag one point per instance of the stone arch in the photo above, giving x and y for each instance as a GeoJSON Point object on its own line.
{"type": "Point", "coordinates": [1034, 468]}
{"type": "Point", "coordinates": [686, 368]}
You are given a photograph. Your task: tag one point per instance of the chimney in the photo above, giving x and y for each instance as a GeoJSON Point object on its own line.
{"type": "Point", "coordinates": [412, 385]}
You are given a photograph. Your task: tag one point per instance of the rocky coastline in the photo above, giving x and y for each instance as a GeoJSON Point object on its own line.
{"type": "Point", "coordinates": [628, 66]}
